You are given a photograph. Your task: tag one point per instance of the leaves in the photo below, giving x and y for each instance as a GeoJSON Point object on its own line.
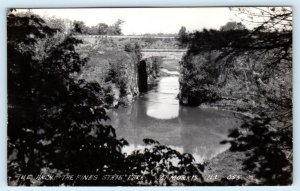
{"type": "Point", "coordinates": [55, 122]}
{"type": "Point", "coordinates": [156, 161]}
{"type": "Point", "coordinates": [265, 155]}
{"type": "Point", "coordinates": [249, 71]}
{"type": "Point", "coordinates": [150, 141]}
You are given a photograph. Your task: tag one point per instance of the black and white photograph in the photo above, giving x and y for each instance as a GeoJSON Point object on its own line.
{"type": "Point", "coordinates": [150, 96]}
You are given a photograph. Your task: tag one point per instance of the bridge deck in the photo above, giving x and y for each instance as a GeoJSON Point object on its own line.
{"type": "Point", "coordinates": [163, 50]}
{"type": "Point", "coordinates": [125, 36]}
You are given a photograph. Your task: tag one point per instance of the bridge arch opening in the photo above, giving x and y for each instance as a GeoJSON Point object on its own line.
{"type": "Point", "coordinates": [142, 76]}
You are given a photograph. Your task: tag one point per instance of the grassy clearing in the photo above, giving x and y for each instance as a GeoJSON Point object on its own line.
{"type": "Point", "coordinates": [227, 165]}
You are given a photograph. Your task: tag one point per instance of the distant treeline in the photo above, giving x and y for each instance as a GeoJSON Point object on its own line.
{"type": "Point", "coordinates": [79, 27]}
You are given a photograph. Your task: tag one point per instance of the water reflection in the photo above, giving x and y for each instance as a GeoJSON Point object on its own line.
{"type": "Point", "coordinates": [169, 72]}
{"type": "Point", "coordinates": [161, 101]}
{"type": "Point", "coordinates": [157, 115]}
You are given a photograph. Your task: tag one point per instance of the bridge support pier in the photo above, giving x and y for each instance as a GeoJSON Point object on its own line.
{"type": "Point", "coordinates": [142, 76]}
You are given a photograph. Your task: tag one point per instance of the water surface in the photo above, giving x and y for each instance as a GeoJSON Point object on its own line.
{"type": "Point", "coordinates": [157, 114]}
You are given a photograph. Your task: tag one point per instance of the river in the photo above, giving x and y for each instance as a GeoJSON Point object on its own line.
{"type": "Point", "coordinates": [157, 114]}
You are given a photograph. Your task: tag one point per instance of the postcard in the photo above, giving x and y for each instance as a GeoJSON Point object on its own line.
{"type": "Point", "coordinates": [172, 96]}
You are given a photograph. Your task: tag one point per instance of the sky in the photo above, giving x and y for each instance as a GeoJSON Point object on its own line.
{"type": "Point", "coordinates": [147, 20]}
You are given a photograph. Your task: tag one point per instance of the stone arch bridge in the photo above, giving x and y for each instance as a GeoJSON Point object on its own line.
{"type": "Point", "coordinates": [173, 53]}
{"type": "Point", "coordinates": [170, 56]}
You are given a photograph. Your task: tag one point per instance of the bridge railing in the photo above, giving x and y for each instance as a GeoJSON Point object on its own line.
{"type": "Point", "coordinates": [125, 36]}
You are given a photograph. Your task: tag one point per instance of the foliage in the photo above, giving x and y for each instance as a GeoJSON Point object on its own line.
{"type": "Point", "coordinates": [198, 76]}
{"type": "Point", "coordinates": [255, 73]}
{"type": "Point", "coordinates": [102, 28]}
{"type": "Point", "coordinates": [183, 37]}
{"type": "Point", "coordinates": [22, 100]}
{"type": "Point", "coordinates": [202, 66]}
{"type": "Point", "coordinates": [115, 69]}
{"type": "Point", "coordinates": [79, 27]}
{"type": "Point", "coordinates": [63, 25]}
{"type": "Point", "coordinates": [135, 48]}
{"type": "Point", "coordinates": [115, 29]}
{"type": "Point", "coordinates": [51, 115]}
{"type": "Point", "coordinates": [153, 65]}
{"type": "Point", "coordinates": [159, 165]}
{"type": "Point", "coordinates": [267, 147]}
{"type": "Point", "coordinates": [232, 26]}
{"type": "Point", "coordinates": [270, 46]}
{"type": "Point", "coordinates": [268, 138]}
{"type": "Point", "coordinates": [55, 120]}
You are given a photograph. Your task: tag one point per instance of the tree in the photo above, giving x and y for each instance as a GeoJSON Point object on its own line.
{"type": "Point", "coordinates": [183, 37]}
{"type": "Point", "coordinates": [102, 28]}
{"type": "Point", "coordinates": [199, 76]}
{"type": "Point", "coordinates": [267, 139]}
{"type": "Point", "coordinates": [259, 60]}
{"type": "Point", "coordinates": [232, 26]}
{"type": "Point", "coordinates": [53, 116]}
{"type": "Point", "coordinates": [79, 27]}
{"type": "Point", "coordinates": [22, 91]}
{"type": "Point", "coordinates": [270, 42]}
{"type": "Point", "coordinates": [202, 66]}
{"type": "Point", "coordinates": [93, 30]}
{"type": "Point", "coordinates": [273, 34]}
{"type": "Point", "coordinates": [115, 29]}
{"type": "Point", "coordinates": [63, 25]}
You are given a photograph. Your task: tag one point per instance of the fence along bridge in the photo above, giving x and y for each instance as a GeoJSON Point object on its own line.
{"type": "Point", "coordinates": [126, 36]}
